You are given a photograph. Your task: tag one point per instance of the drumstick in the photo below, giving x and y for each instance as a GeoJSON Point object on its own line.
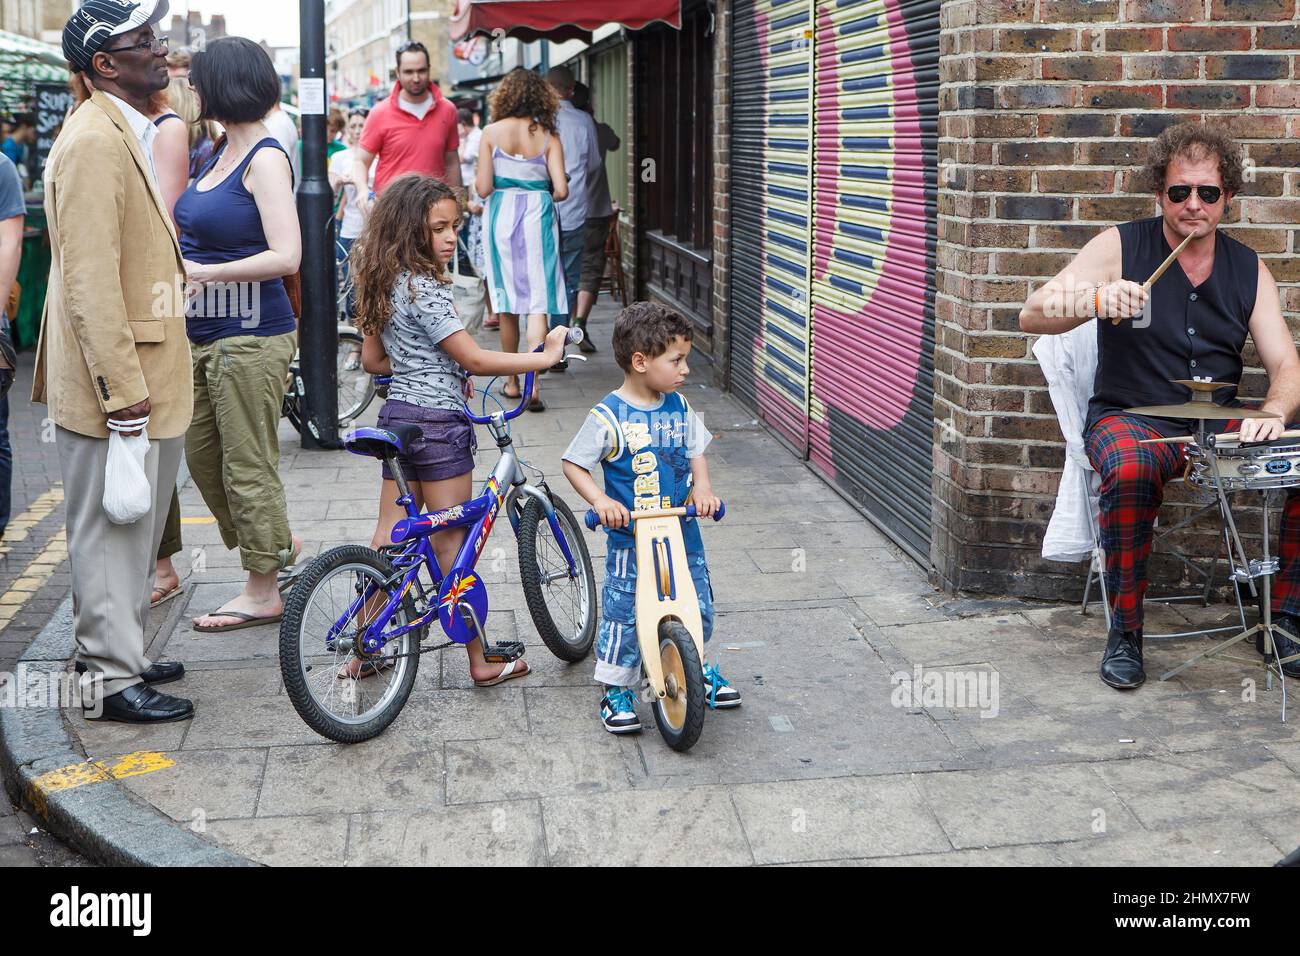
{"type": "Point", "coordinates": [1173, 256]}
{"type": "Point", "coordinates": [1225, 436]}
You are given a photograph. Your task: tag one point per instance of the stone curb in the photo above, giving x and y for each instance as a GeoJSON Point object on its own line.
{"type": "Point", "coordinates": [102, 820]}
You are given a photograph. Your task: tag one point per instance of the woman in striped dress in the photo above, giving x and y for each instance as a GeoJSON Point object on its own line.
{"type": "Point", "coordinates": [521, 178]}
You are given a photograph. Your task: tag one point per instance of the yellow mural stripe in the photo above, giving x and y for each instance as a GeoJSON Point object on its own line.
{"type": "Point", "coordinates": [34, 576]}
{"type": "Point", "coordinates": [96, 771]}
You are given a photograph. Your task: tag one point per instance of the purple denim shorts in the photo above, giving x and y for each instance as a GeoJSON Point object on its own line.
{"type": "Point", "coordinates": [446, 448]}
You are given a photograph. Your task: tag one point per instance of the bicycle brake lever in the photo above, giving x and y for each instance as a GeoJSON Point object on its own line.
{"type": "Point", "coordinates": [574, 355]}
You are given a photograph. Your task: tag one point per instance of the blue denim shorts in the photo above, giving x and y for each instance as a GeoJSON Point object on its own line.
{"type": "Point", "coordinates": [618, 651]}
{"type": "Point", "coordinates": [446, 448]}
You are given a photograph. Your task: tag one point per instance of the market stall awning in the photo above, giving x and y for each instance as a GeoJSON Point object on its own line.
{"type": "Point", "coordinates": [557, 20]}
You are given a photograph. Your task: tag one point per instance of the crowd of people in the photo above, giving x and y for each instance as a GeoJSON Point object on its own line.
{"type": "Point", "coordinates": [173, 174]}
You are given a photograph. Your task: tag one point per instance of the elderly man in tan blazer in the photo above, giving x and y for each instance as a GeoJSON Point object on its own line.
{"type": "Point", "coordinates": [113, 347]}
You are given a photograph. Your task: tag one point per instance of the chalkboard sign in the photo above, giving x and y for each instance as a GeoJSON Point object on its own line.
{"type": "Point", "coordinates": [53, 100]}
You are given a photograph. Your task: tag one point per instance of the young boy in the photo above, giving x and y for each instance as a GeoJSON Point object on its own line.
{"type": "Point", "coordinates": [650, 446]}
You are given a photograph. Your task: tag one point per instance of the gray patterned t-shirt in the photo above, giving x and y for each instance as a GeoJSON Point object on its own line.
{"type": "Point", "coordinates": [424, 314]}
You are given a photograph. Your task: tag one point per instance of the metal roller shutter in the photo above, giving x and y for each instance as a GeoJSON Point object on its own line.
{"type": "Point", "coordinates": [874, 190]}
{"type": "Point", "coordinates": [771, 89]}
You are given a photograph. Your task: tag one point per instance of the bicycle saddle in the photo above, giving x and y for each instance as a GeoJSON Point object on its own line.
{"type": "Point", "coordinates": [382, 442]}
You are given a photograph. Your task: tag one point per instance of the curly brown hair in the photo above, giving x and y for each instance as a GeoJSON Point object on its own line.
{"type": "Point", "coordinates": [523, 93]}
{"type": "Point", "coordinates": [1194, 141]}
{"type": "Point", "coordinates": [648, 328]}
{"type": "Point", "coordinates": [396, 239]}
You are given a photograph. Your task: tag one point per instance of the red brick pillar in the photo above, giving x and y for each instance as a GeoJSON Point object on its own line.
{"type": "Point", "coordinates": [1046, 110]}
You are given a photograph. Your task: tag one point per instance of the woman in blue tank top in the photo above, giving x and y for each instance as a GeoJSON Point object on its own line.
{"type": "Point", "coordinates": [239, 236]}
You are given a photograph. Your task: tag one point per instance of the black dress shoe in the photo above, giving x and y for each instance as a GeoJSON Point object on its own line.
{"type": "Point", "coordinates": [1286, 632]}
{"type": "Point", "coordinates": [141, 704]}
{"type": "Point", "coordinates": [1121, 665]}
{"type": "Point", "coordinates": [162, 673]}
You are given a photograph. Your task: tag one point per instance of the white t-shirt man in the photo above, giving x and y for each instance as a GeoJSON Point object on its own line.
{"type": "Point", "coordinates": [280, 125]}
{"type": "Point", "coordinates": [581, 157]}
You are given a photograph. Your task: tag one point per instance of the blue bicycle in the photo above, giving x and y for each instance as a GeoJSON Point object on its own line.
{"type": "Point", "coordinates": [353, 602]}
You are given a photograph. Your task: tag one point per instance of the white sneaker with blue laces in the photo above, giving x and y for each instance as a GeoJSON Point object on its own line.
{"type": "Point", "coordinates": [618, 711]}
{"type": "Point", "coordinates": [719, 694]}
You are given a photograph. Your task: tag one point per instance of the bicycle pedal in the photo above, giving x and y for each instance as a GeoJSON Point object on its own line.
{"type": "Point", "coordinates": [503, 653]}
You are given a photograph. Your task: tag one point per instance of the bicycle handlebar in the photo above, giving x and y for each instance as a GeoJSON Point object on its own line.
{"type": "Point", "coordinates": [592, 520]}
{"type": "Point", "coordinates": [573, 338]}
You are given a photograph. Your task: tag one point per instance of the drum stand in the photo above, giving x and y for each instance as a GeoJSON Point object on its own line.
{"type": "Point", "coordinates": [1245, 570]}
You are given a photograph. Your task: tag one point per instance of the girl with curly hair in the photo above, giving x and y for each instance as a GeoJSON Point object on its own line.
{"type": "Point", "coordinates": [406, 312]}
{"type": "Point", "coordinates": [521, 178]}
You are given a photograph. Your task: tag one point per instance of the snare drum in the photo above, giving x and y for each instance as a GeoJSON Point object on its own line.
{"type": "Point", "coordinates": [1255, 467]}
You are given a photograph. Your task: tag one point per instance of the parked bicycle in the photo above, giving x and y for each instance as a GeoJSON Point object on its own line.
{"type": "Point", "coordinates": [355, 602]}
{"type": "Point", "coordinates": [356, 387]}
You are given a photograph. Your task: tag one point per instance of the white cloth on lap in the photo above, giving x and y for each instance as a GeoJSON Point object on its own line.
{"type": "Point", "coordinates": [1069, 363]}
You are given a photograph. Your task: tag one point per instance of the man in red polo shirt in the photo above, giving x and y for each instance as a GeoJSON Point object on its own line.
{"type": "Point", "coordinates": [413, 131]}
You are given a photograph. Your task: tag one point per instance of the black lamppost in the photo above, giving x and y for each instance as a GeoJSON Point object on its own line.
{"type": "Point", "coordinates": [318, 340]}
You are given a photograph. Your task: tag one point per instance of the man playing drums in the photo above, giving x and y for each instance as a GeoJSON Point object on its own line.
{"type": "Point", "coordinates": [1193, 326]}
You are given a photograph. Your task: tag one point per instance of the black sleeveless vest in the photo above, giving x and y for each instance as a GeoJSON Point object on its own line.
{"type": "Point", "coordinates": [1195, 331]}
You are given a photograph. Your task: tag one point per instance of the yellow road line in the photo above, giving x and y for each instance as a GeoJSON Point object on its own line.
{"type": "Point", "coordinates": [95, 771]}
{"type": "Point", "coordinates": [206, 520]}
{"type": "Point", "coordinates": [38, 511]}
{"type": "Point", "coordinates": [34, 576]}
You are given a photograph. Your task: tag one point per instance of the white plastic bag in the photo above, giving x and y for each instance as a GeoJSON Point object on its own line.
{"type": "Point", "coordinates": [127, 495]}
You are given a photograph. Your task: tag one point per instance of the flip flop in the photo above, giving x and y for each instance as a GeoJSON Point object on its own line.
{"type": "Point", "coordinates": [507, 673]}
{"type": "Point", "coordinates": [368, 668]}
{"type": "Point", "coordinates": [245, 620]}
{"type": "Point", "coordinates": [537, 405]}
{"type": "Point", "coordinates": [167, 595]}
{"type": "Point", "coordinates": [514, 397]}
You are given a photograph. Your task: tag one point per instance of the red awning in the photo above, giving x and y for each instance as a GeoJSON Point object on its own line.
{"type": "Point", "coordinates": [558, 20]}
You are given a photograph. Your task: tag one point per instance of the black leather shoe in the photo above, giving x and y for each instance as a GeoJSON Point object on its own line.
{"type": "Point", "coordinates": [161, 673]}
{"type": "Point", "coordinates": [164, 672]}
{"type": "Point", "coordinates": [1286, 638]}
{"type": "Point", "coordinates": [141, 704]}
{"type": "Point", "coordinates": [1121, 665]}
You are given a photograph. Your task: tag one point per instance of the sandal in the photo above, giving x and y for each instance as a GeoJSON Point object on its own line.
{"type": "Point", "coordinates": [369, 668]}
{"type": "Point", "coordinates": [537, 405]}
{"type": "Point", "coordinates": [507, 673]}
{"type": "Point", "coordinates": [245, 620]}
{"type": "Point", "coordinates": [505, 390]}
{"type": "Point", "coordinates": [165, 595]}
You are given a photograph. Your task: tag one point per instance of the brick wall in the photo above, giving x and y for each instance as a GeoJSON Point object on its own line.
{"type": "Point", "coordinates": [1046, 109]}
{"type": "Point", "coordinates": [721, 193]}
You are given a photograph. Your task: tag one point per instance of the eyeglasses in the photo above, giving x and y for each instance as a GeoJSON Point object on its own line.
{"type": "Point", "coordinates": [1208, 194]}
{"type": "Point", "coordinates": [155, 44]}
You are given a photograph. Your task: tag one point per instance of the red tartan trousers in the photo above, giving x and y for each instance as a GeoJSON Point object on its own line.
{"type": "Point", "coordinates": [1133, 478]}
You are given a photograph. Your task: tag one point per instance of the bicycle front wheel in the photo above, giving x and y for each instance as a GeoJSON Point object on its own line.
{"type": "Point", "coordinates": [339, 693]}
{"type": "Point", "coordinates": [563, 608]}
{"type": "Point", "coordinates": [356, 385]}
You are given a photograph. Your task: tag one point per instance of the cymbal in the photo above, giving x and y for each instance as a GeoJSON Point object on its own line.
{"type": "Point", "coordinates": [1198, 386]}
{"type": "Point", "coordinates": [1199, 410]}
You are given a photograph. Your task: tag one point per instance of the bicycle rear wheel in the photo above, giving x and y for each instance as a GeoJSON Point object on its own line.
{"type": "Point", "coordinates": [344, 586]}
{"type": "Point", "coordinates": [356, 385]}
{"type": "Point", "coordinates": [563, 608]}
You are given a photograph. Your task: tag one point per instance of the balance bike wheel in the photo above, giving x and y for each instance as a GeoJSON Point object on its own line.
{"type": "Point", "coordinates": [680, 713]}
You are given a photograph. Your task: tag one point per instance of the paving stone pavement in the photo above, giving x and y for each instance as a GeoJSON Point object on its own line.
{"type": "Point", "coordinates": [828, 760]}
{"type": "Point", "coordinates": [32, 527]}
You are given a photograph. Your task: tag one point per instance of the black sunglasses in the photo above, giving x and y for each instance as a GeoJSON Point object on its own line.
{"type": "Point", "coordinates": [1209, 194]}
{"type": "Point", "coordinates": [155, 44]}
